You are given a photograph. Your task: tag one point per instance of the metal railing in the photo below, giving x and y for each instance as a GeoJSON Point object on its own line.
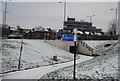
{"type": "Point", "coordinates": [87, 46]}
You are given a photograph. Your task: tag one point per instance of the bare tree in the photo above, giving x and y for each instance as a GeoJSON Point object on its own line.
{"type": "Point", "coordinates": [18, 27]}
{"type": "Point", "coordinates": [112, 28]}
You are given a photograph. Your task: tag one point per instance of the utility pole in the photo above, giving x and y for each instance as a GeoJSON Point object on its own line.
{"type": "Point", "coordinates": [64, 10]}
{"type": "Point", "coordinates": [116, 22]}
{"type": "Point", "coordinates": [91, 18]}
{"type": "Point", "coordinates": [4, 13]}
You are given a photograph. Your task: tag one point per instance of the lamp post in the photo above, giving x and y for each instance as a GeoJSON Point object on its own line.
{"type": "Point", "coordinates": [116, 12]}
{"type": "Point", "coordinates": [75, 38]}
{"type": "Point", "coordinates": [64, 10]}
{"type": "Point", "coordinates": [4, 12]}
{"type": "Point", "coordinates": [91, 17]}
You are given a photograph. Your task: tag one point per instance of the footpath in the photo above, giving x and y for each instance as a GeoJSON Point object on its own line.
{"type": "Point", "coordinates": [36, 73]}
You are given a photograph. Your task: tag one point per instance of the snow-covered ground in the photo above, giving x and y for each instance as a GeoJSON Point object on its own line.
{"type": "Point", "coordinates": [94, 43]}
{"type": "Point", "coordinates": [101, 67]}
{"type": "Point", "coordinates": [36, 53]}
{"type": "Point", "coordinates": [98, 45]}
{"type": "Point", "coordinates": [36, 73]}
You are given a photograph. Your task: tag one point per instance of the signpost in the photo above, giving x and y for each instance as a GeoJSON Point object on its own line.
{"type": "Point", "coordinates": [21, 48]}
{"type": "Point", "coordinates": [75, 38]}
{"type": "Point", "coordinates": [69, 37]}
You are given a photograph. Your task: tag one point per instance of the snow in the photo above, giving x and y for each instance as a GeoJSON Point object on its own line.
{"type": "Point", "coordinates": [98, 45]}
{"type": "Point", "coordinates": [101, 67]}
{"type": "Point", "coordinates": [36, 73]}
{"type": "Point", "coordinates": [93, 44]}
{"type": "Point", "coordinates": [36, 53]}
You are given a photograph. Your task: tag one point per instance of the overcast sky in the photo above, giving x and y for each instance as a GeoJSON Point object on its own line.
{"type": "Point", "coordinates": [50, 14]}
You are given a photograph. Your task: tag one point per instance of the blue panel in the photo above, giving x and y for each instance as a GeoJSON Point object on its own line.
{"type": "Point", "coordinates": [68, 37]}
{"type": "Point", "coordinates": [64, 39]}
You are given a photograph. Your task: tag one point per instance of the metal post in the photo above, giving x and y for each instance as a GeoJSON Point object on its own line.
{"type": "Point", "coordinates": [75, 38]}
{"type": "Point", "coordinates": [90, 18]}
{"type": "Point", "coordinates": [116, 20]}
{"type": "Point", "coordinates": [64, 10]}
{"type": "Point", "coordinates": [116, 13]}
{"type": "Point", "coordinates": [5, 12]}
{"type": "Point", "coordinates": [20, 54]}
{"type": "Point", "coordinates": [74, 77]}
{"type": "Point", "coordinates": [2, 14]}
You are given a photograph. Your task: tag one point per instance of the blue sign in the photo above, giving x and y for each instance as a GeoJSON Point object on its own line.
{"type": "Point", "coordinates": [67, 37]}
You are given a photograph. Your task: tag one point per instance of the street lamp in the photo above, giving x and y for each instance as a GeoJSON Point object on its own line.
{"type": "Point", "coordinates": [91, 17]}
{"type": "Point", "coordinates": [64, 10]}
{"type": "Point", "coordinates": [4, 12]}
{"type": "Point", "coordinates": [116, 12]}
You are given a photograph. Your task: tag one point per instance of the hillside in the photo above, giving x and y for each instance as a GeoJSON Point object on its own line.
{"type": "Point", "coordinates": [36, 53]}
{"type": "Point", "coordinates": [101, 67]}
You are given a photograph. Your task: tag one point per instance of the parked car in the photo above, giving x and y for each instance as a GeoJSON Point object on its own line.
{"type": "Point", "coordinates": [15, 35]}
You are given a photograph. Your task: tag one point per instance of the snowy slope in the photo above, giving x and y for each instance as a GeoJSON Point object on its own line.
{"type": "Point", "coordinates": [36, 73]}
{"type": "Point", "coordinates": [101, 67]}
{"type": "Point", "coordinates": [94, 43]}
{"type": "Point", "coordinates": [98, 45]}
{"type": "Point", "coordinates": [35, 53]}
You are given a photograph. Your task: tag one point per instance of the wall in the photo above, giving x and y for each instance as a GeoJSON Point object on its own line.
{"type": "Point", "coordinates": [66, 44]}
{"type": "Point", "coordinates": [83, 50]}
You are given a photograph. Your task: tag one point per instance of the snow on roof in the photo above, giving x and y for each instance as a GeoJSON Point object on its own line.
{"type": "Point", "coordinates": [80, 32]}
{"type": "Point", "coordinates": [13, 28]}
{"type": "Point", "coordinates": [86, 32]}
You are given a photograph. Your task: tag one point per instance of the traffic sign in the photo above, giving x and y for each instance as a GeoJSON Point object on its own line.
{"type": "Point", "coordinates": [68, 37]}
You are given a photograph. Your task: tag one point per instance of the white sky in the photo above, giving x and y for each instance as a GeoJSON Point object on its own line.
{"type": "Point", "coordinates": [49, 13]}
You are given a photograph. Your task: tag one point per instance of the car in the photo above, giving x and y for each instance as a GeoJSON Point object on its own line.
{"type": "Point", "coordinates": [15, 35]}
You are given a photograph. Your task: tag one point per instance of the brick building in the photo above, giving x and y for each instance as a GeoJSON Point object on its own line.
{"type": "Point", "coordinates": [43, 35]}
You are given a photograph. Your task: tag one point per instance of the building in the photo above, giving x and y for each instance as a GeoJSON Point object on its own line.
{"type": "Point", "coordinates": [43, 35]}
{"type": "Point", "coordinates": [13, 30]}
{"type": "Point", "coordinates": [4, 31]}
{"type": "Point", "coordinates": [84, 27]}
